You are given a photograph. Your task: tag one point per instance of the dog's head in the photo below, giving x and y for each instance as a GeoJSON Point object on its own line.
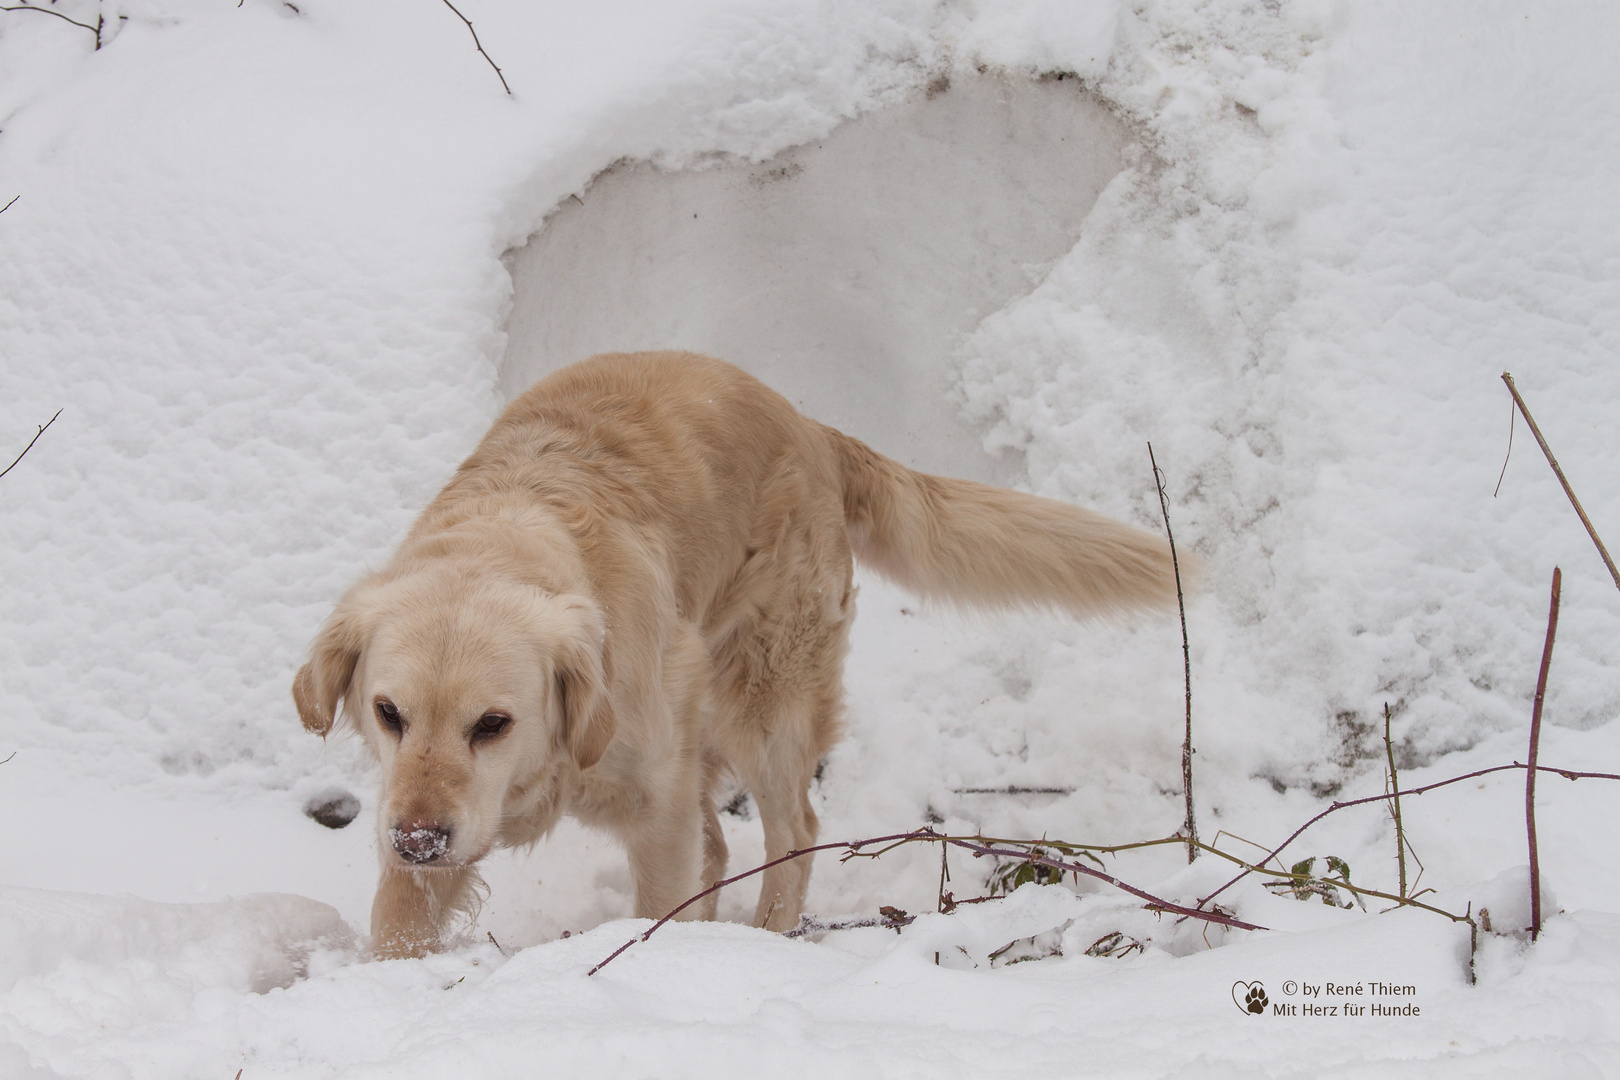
{"type": "Point", "coordinates": [472, 691]}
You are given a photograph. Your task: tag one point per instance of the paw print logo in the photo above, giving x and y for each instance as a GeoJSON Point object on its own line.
{"type": "Point", "coordinates": [1250, 997]}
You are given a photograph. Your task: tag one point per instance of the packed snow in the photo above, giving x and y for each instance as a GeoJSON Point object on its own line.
{"type": "Point", "coordinates": [280, 264]}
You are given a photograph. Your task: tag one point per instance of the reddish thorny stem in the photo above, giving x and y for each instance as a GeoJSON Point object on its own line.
{"type": "Point", "coordinates": [1535, 747]}
{"type": "Point", "coordinates": [928, 834]}
{"type": "Point", "coordinates": [853, 847]}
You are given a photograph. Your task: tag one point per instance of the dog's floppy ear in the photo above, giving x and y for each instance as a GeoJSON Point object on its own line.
{"type": "Point", "coordinates": [581, 685]}
{"type": "Point", "coordinates": [324, 681]}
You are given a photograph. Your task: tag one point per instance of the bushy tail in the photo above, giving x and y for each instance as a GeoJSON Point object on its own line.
{"type": "Point", "coordinates": [975, 544]}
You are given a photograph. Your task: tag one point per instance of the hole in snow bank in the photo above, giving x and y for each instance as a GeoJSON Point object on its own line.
{"type": "Point", "coordinates": [842, 272]}
{"type": "Point", "coordinates": [333, 808]}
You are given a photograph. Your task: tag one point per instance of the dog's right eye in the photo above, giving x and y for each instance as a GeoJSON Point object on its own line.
{"type": "Point", "coordinates": [388, 716]}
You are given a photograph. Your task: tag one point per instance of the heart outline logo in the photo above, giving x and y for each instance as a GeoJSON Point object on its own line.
{"type": "Point", "coordinates": [1250, 997]}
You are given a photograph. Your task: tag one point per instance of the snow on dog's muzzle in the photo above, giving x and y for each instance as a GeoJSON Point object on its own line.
{"type": "Point", "coordinates": [421, 841]}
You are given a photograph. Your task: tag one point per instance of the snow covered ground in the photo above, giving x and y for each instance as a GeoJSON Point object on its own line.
{"type": "Point", "coordinates": [278, 265]}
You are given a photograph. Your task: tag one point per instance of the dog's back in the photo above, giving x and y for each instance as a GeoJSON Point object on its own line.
{"type": "Point", "coordinates": [728, 463]}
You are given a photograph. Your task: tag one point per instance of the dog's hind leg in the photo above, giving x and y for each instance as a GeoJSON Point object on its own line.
{"type": "Point", "coordinates": [779, 766]}
{"type": "Point", "coordinates": [790, 824]}
{"type": "Point", "coordinates": [714, 838]}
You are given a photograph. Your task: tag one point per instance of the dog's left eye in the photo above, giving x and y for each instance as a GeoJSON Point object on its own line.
{"type": "Point", "coordinates": [490, 725]}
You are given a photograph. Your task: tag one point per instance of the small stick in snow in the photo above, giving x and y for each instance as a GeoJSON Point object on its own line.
{"type": "Point", "coordinates": [14, 198]}
{"type": "Point", "coordinates": [1395, 802]}
{"type": "Point", "coordinates": [1530, 766]}
{"type": "Point", "coordinates": [1573, 501]}
{"type": "Point", "coordinates": [480, 46]}
{"type": "Point", "coordinates": [1191, 824]}
{"type": "Point", "coordinates": [1473, 939]}
{"type": "Point", "coordinates": [37, 434]}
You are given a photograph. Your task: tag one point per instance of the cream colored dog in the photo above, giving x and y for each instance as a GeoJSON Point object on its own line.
{"type": "Point", "coordinates": [641, 582]}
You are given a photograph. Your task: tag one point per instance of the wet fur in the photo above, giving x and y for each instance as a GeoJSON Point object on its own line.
{"type": "Point", "coordinates": [647, 565]}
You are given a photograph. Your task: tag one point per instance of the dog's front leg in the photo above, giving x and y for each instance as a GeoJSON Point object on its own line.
{"type": "Point", "coordinates": [412, 907]}
{"type": "Point", "coordinates": [663, 850]}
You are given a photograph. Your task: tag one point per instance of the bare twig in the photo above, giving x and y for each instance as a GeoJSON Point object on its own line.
{"type": "Point", "coordinates": [1191, 824]}
{"type": "Point", "coordinates": [497, 944]}
{"type": "Point", "coordinates": [852, 845]}
{"type": "Point", "coordinates": [1081, 868]}
{"type": "Point", "coordinates": [1395, 801]}
{"type": "Point", "coordinates": [1567, 774]}
{"type": "Point", "coordinates": [1513, 414]}
{"type": "Point", "coordinates": [1012, 789]}
{"type": "Point", "coordinates": [14, 198]}
{"type": "Point", "coordinates": [1031, 851]}
{"type": "Point", "coordinates": [1535, 747]}
{"type": "Point", "coordinates": [1573, 501]}
{"type": "Point", "coordinates": [8, 757]}
{"type": "Point", "coordinates": [59, 15]}
{"type": "Point", "coordinates": [856, 849]}
{"type": "Point", "coordinates": [1473, 939]}
{"type": "Point", "coordinates": [32, 441]}
{"type": "Point", "coordinates": [480, 46]}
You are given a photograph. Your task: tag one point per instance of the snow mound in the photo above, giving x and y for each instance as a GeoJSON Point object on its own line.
{"type": "Point", "coordinates": [250, 944]}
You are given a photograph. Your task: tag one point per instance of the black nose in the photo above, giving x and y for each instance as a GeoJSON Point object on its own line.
{"type": "Point", "coordinates": [420, 841]}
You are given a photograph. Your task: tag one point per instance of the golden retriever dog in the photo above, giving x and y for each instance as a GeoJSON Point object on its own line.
{"type": "Point", "coordinates": [638, 585]}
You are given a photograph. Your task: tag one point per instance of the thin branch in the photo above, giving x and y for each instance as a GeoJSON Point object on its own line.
{"type": "Point", "coordinates": [1567, 774]}
{"type": "Point", "coordinates": [59, 15]}
{"type": "Point", "coordinates": [8, 757]}
{"type": "Point", "coordinates": [1191, 824]}
{"type": "Point", "coordinates": [852, 845]}
{"type": "Point", "coordinates": [1473, 943]}
{"type": "Point", "coordinates": [853, 848]}
{"type": "Point", "coordinates": [1513, 414]}
{"type": "Point", "coordinates": [480, 47]}
{"type": "Point", "coordinates": [1535, 747]}
{"type": "Point", "coordinates": [1031, 852]}
{"type": "Point", "coordinates": [42, 427]}
{"type": "Point", "coordinates": [1250, 868]}
{"type": "Point", "coordinates": [1013, 789]}
{"type": "Point", "coordinates": [1573, 501]}
{"type": "Point", "coordinates": [14, 198]}
{"type": "Point", "coordinates": [1081, 868]}
{"type": "Point", "coordinates": [1395, 801]}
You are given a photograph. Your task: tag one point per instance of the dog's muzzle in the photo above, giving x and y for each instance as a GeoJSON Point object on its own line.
{"type": "Point", "coordinates": [421, 842]}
